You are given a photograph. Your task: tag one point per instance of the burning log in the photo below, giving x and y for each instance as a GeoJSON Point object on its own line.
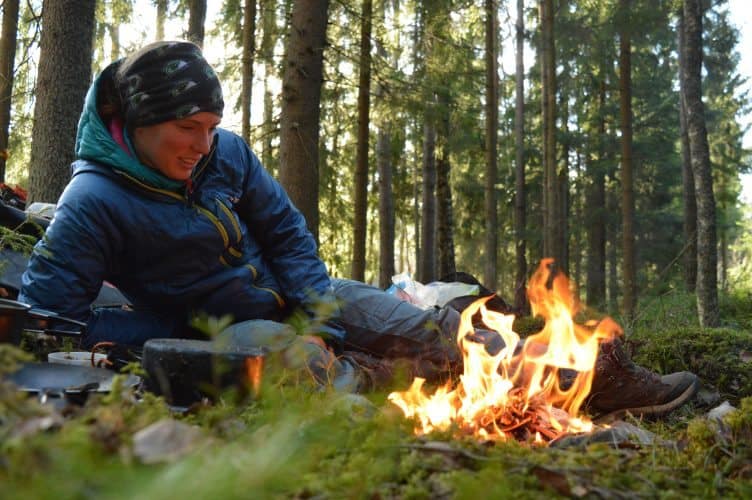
{"type": "Point", "coordinates": [517, 393]}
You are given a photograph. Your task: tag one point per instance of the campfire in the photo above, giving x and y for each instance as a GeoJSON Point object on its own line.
{"type": "Point", "coordinates": [529, 392]}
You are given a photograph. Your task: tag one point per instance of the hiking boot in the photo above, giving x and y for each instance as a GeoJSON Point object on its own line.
{"type": "Point", "coordinates": [376, 373]}
{"type": "Point", "coordinates": [621, 386]}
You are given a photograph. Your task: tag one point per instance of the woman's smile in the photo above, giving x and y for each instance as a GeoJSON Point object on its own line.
{"type": "Point", "coordinates": [175, 147]}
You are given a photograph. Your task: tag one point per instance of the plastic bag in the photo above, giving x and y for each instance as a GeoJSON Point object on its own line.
{"type": "Point", "coordinates": [434, 294]}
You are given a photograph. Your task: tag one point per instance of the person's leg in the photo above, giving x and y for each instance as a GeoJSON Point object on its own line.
{"type": "Point", "coordinates": [383, 326]}
{"type": "Point", "coordinates": [298, 352]}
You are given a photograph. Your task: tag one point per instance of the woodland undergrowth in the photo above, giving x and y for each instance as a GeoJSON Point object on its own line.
{"type": "Point", "coordinates": [294, 441]}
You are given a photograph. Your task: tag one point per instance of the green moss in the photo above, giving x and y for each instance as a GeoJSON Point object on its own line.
{"type": "Point", "coordinates": [297, 441]}
{"type": "Point", "coordinates": [528, 325]}
{"type": "Point", "coordinates": [715, 354]}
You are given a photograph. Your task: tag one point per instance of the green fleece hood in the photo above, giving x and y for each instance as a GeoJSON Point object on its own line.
{"type": "Point", "coordinates": [94, 143]}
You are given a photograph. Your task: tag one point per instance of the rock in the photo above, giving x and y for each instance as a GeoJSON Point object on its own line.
{"type": "Point", "coordinates": [619, 434]}
{"type": "Point", "coordinates": [707, 397]}
{"type": "Point", "coordinates": [356, 406]}
{"type": "Point", "coordinates": [720, 411]}
{"type": "Point", "coordinates": [166, 441]}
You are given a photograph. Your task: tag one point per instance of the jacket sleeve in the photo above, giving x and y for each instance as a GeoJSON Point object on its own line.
{"type": "Point", "coordinates": [288, 247]}
{"type": "Point", "coordinates": [69, 263]}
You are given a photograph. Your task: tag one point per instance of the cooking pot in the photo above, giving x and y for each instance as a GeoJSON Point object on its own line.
{"type": "Point", "coordinates": [15, 316]}
{"type": "Point", "coordinates": [186, 371]}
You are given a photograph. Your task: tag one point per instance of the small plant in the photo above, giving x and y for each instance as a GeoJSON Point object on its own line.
{"type": "Point", "coordinates": [211, 326]}
{"type": "Point", "coordinates": [67, 345]}
{"type": "Point", "coordinates": [16, 241]}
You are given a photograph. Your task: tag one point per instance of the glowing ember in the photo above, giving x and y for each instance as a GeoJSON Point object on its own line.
{"type": "Point", "coordinates": [517, 392]}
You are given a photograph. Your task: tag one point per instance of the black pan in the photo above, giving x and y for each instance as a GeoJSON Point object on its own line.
{"type": "Point", "coordinates": [15, 317]}
{"type": "Point", "coordinates": [42, 377]}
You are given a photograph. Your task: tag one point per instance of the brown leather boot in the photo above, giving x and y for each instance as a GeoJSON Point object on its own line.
{"type": "Point", "coordinates": [621, 386]}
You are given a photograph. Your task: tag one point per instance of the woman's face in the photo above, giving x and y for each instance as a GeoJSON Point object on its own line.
{"type": "Point", "coordinates": [176, 146]}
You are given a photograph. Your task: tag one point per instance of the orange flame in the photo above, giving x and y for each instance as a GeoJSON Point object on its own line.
{"type": "Point", "coordinates": [254, 366]}
{"type": "Point", "coordinates": [498, 395]}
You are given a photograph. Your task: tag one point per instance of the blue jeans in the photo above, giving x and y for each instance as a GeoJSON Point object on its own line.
{"type": "Point", "coordinates": [385, 326]}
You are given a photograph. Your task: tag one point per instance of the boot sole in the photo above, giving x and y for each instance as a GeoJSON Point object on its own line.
{"type": "Point", "coordinates": [652, 410]}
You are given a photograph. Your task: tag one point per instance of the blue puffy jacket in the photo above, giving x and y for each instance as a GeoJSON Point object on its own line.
{"type": "Point", "coordinates": [229, 242]}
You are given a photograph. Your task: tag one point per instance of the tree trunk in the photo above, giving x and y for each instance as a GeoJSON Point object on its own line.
{"type": "Point", "coordinates": [492, 127]}
{"type": "Point", "coordinates": [161, 18]}
{"type": "Point", "coordinates": [551, 204]}
{"type": "Point", "coordinates": [444, 218]}
{"type": "Point", "coordinates": [7, 58]}
{"type": "Point", "coordinates": [387, 232]}
{"type": "Point", "coordinates": [577, 213]}
{"type": "Point", "coordinates": [267, 52]}
{"type": "Point", "coordinates": [596, 211]}
{"type": "Point", "coordinates": [114, 40]}
{"type": "Point", "coordinates": [613, 237]}
{"type": "Point", "coordinates": [723, 251]}
{"type": "Point", "coordinates": [360, 197]}
{"type": "Point", "coordinates": [520, 289]}
{"type": "Point", "coordinates": [428, 247]}
{"type": "Point", "coordinates": [428, 212]}
{"type": "Point", "coordinates": [100, 31]}
{"type": "Point", "coordinates": [372, 247]}
{"type": "Point", "coordinates": [418, 59]}
{"type": "Point", "coordinates": [444, 215]}
{"type": "Point", "coordinates": [63, 77]}
{"type": "Point", "coordinates": [627, 203]}
{"type": "Point", "coordinates": [301, 95]}
{"type": "Point", "coordinates": [386, 208]}
{"type": "Point", "coordinates": [121, 12]}
{"type": "Point", "coordinates": [417, 186]}
{"type": "Point", "coordinates": [562, 181]}
{"type": "Point", "coordinates": [249, 51]}
{"type": "Point", "coordinates": [707, 284]}
{"type": "Point", "coordinates": [688, 178]}
{"type": "Point", "coordinates": [196, 20]}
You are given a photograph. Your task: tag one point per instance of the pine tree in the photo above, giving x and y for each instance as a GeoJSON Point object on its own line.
{"type": "Point", "coordinates": [707, 285]}
{"type": "Point", "coordinates": [7, 59]}
{"type": "Point", "coordinates": [63, 77]}
{"type": "Point", "coordinates": [301, 94]}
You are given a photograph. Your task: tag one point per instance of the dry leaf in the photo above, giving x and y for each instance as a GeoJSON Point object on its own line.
{"type": "Point", "coordinates": [553, 479]}
{"type": "Point", "coordinates": [35, 425]}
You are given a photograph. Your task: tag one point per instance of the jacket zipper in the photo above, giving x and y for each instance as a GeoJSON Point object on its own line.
{"type": "Point", "coordinates": [230, 216]}
{"type": "Point", "coordinates": [222, 231]}
{"type": "Point", "coordinates": [197, 171]}
{"type": "Point", "coordinates": [217, 223]}
{"type": "Point", "coordinates": [280, 300]}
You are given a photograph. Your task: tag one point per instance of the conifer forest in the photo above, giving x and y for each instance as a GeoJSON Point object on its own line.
{"type": "Point", "coordinates": [449, 136]}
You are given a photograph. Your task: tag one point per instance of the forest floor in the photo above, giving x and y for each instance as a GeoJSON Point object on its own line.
{"type": "Point", "coordinates": [295, 442]}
